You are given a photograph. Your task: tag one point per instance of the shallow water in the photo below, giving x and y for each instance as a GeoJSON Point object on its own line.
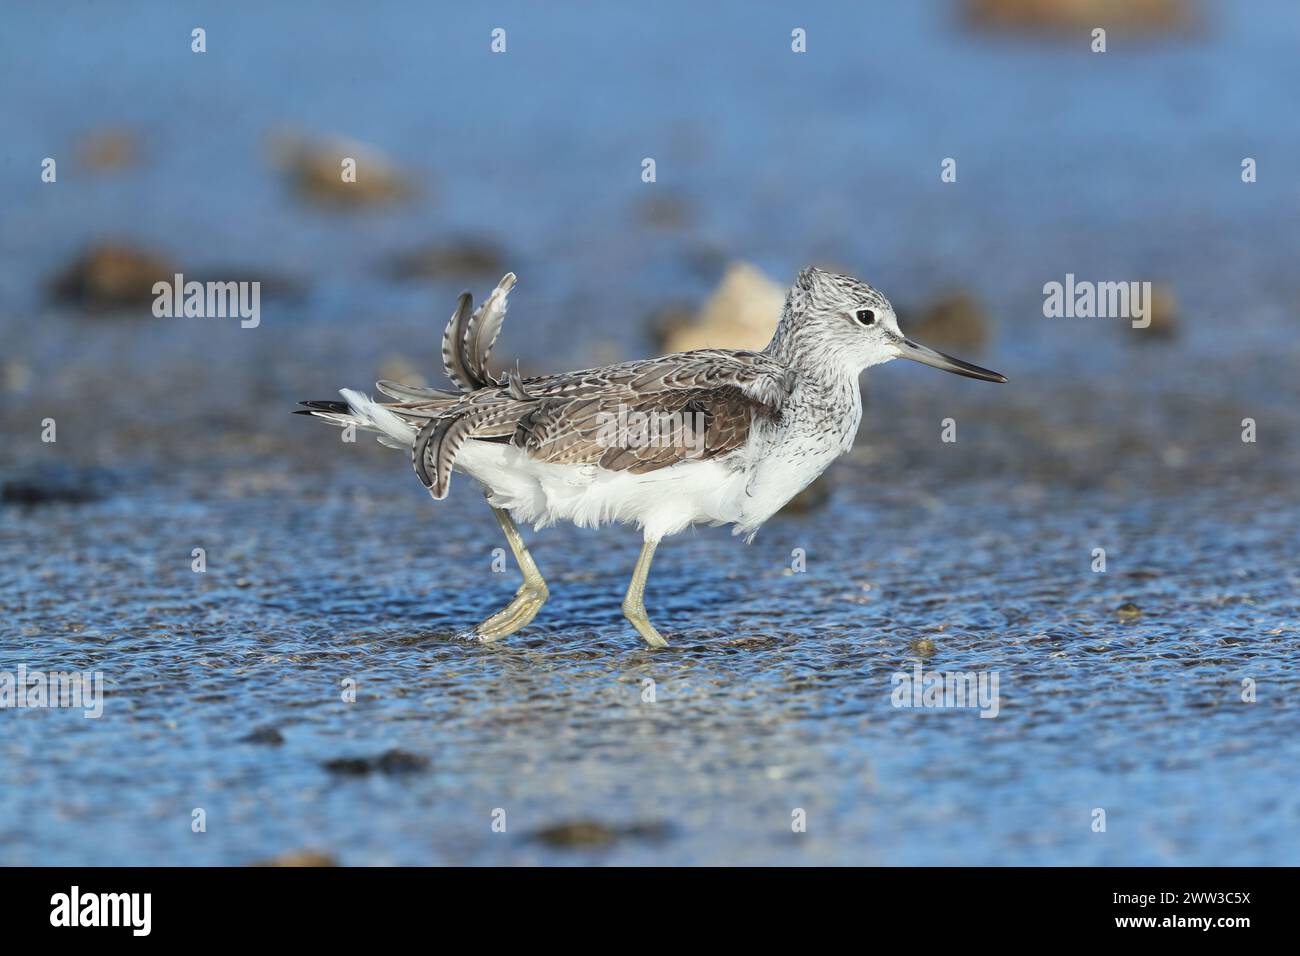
{"type": "Point", "coordinates": [327, 562]}
{"type": "Point", "coordinates": [775, 694]}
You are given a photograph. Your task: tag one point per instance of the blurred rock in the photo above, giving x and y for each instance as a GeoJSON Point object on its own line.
{"type": "Point", "coordinates": [589, 834]}
{"type": "Point", "coordinates": [1071, 15]}
{"type": "Point", "coordinates": [389, 762]}
{"type": "Point", "coordinates": [954, 321]}
{"type": "Point", "coordinates": [300, 858]}
{"type": "Point", "coordinates": [264, 735]}
{"type": "Point", "coordinates": [56, 484]}
{"type": "Point", "coordinates": [664, 211]}
{"type": "Point", "coordinates": [742, 313]}
{"type": "Point", "coordinates": [1128, 610]}
{"type": "Point", "coordinates": [315, 169]}
{"type": "Point", "coordinates": [109, 150]}
{"type": "Point", "coordinates": [468, 256]}
{"type": "Point", "coordinates": [1164, 316]}
{"type": "Point", "coordinates": [923, 647]}
{"type": "Point", "coordinates": [583, 833]}
{"type": "Point", "coordinates": [112, 275]}
{"type": "Point", "coordinates": [117, 275]}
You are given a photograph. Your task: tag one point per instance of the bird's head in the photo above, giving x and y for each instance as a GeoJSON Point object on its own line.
{"type": "Point", "coordinates": [843, 320]}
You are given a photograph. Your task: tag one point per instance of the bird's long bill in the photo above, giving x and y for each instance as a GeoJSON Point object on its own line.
{"type": "Point", "coordinates": [926, 356]}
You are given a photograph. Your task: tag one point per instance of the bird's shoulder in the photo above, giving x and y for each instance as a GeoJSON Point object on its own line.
{"type": "Point", "coordinates": [755, 374]}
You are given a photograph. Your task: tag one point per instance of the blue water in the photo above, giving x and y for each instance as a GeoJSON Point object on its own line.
{"type": "Point", "coordinates": [327, 562]}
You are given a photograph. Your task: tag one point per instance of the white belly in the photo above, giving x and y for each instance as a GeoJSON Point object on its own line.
{"type": "Point", "coordinates": [661, 502]}
{"type": "Point", "coordinates": [743, 489]}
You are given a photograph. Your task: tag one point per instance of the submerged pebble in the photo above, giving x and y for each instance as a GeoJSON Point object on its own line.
{"type": "Point", "coordinates": [296, 858]}
{"type": "Point", "coordinates": [393, 761]}
{"type": "Point", "coordinates": [55, 484]}
{"type": "Point", "coordinates": [923, 647]}
{"type": "Point", "coordinates": [264, 735]}
{"type": "Point", "coordinates": [592, 834]}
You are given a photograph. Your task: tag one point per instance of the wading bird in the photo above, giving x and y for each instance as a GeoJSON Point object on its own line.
{"type": "Point", "coordinates": [754, 428]}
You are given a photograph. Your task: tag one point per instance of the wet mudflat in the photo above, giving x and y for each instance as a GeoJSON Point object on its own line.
{"type": "Point", "coordinates": [224, 689]}
{"type": "Point", "coordinates": [330, 574]}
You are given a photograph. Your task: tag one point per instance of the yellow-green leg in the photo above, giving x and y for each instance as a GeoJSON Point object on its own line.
{"type": "Point", "coordinates": [634, 602]}
{"type": "Point", "coordinates": [530, 597]}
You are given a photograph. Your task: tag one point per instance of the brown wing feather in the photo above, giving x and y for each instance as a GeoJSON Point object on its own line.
{"type": "Point", "coordinates": [573, 418]}
{"type": "Point", "coordinates": [604, 430]}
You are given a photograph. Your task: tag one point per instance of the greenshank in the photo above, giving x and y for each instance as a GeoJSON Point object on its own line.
{"type": "Point", "coordinates": [716, 436]}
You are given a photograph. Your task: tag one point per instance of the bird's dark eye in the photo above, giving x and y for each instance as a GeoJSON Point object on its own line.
{"type": "Point", "coordinates": [866, 317]}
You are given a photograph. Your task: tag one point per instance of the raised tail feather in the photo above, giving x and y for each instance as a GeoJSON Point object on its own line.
{"type": "Point", "coordinates": [469, 337]}
{"type": "Point", "coordinates": [453, 346]}
{"type": "Point", "coordinates": [432, 423]}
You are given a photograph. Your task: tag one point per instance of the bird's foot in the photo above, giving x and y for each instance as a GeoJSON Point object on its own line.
{"type": "Point", "coordinates": [515, 615]}
{"type": "Point", "coordinates": [643, 627]}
